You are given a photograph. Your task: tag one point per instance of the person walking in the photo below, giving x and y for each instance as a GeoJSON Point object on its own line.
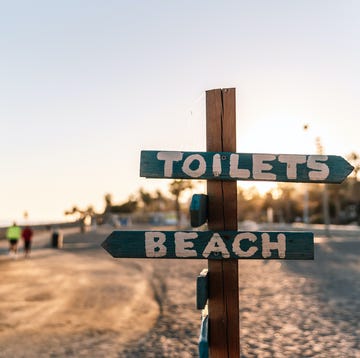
{"type": "Point", "coordinates": [26, 235]}
{"type": "Point", "coordinates": [13, 234]}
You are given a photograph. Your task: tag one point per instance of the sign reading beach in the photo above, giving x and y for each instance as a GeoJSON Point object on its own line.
{"type": "Point", "coordinates": [210, 245]}
{"type": "Point", "coordinates": [244, 166]}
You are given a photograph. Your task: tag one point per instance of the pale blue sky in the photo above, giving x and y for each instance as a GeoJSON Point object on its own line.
{"type": "Point", "coordinates": [85, 85]}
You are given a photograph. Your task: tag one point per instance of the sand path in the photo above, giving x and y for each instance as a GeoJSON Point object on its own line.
{"type": "Point", "coordinates": [63, 303]}
{"type": "Point", "coordinates": [78, 301]}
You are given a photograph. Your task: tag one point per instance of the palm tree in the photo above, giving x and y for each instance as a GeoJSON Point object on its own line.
{"type": "Point", "coordinates": [177, 187]}
{"type": "Point", "coordinates": [146, 199]}
{"type": "Point", "coordinates": [83, 215]}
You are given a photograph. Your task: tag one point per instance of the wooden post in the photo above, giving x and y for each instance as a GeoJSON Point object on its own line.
{"type": "Point", "coordinates": [224, 335]}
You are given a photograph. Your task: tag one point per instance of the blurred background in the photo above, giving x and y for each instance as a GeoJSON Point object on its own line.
{"type": "Point", "coordinates": [86, 86]}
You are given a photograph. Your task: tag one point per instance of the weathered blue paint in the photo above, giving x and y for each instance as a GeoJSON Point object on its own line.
{"type": "Point", "coordinates": [202, 289]}
{"type": "Point", "coordinates": [198, 210]}
{"type": "Point", "coordinates": [210, 245]}
{"type": "Point", "coordinates": [244, 166]}
{"type": "Point", "coordinates": [203, 339]}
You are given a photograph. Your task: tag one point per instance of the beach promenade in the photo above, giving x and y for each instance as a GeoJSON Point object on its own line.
{"type": "Point", "coordinates": [80, 302]}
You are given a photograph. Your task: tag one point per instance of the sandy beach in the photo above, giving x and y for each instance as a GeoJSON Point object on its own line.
{"type": "Point", "coordinates": [78, 301]}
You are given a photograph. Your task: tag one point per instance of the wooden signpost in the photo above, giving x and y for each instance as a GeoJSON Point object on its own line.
{"type": "Point", "coordinates": [223, 245]}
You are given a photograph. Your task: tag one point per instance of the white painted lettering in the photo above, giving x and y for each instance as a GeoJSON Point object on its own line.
{"type": "Point", "coordinates": [320, 170]}
{"type": "Point", "coordinates": [268, 245]}
{"type": "Point", "coordinates": [235, 171]}
{"type": "Point", "coordinates": [216, 167]}
{"type": "Point", "coordinates": [261, 169]}
{"type": "Point", "coordinates": [169, 158]}
{"type": "Point", "coordinates": [182, 246]}
{"type": "Point", "coordinates": [154, 244]}
{"type": "Point", "coordinates": [216, 245]}
{"type": "Point", "coordinates": [200, 170]}
{"type": "Point", "coordinates": [292, 161]}
{"type": "Point", "coordinates": [237, 241]}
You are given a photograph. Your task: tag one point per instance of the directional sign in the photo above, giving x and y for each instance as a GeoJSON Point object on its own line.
{"type": "Point", "coordinates": [244, 166]}
{"type": "Point", "coordinates": [210, 245]}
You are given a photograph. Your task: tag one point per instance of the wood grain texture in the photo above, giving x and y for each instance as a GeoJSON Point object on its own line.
{"type": "Point", "coordinates": [224, 332]}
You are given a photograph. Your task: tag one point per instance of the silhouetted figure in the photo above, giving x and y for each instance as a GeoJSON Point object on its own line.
{"type": "Point", "coordinates": [27, 234]}
{"type": "Point", "coordinates": [13, 234]}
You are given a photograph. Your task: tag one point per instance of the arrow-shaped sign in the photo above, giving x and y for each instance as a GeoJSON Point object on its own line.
{"type": "Point", "coordinates": [210, 245]}
{"type": "Point", "coordinates": [244, 166]}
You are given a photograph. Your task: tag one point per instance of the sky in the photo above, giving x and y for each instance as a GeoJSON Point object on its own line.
{"type": "Point", "coordinates": [86, 85]}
